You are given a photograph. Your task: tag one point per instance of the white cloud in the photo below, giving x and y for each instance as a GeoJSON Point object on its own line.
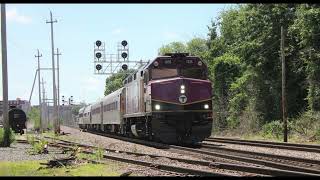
{"type": "Point", "coordinates": [13, 15]}
{"type": "Point", "coordinates": [92, 84]}
{"type": "Point", "coordinates": [117, 31]}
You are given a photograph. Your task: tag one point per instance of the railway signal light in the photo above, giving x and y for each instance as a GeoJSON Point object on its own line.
{"type": "Point", "coordinates": [98, 43]}
{"type": "Point", "coordinates": [124, 43]}
{"type": "Point", "coordinates": [98, 55]}
{"type": "Point", "coordinates": [63, 100]}
{"type": "Point", "coordinates": [124, 55]}
{"type": "Point", "coordinates": [124, 67]}
{"type": "Point", "coordinates": [98, 67]}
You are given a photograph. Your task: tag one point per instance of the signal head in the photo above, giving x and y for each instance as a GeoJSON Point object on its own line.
{"type": "Point", "coordinates": [98, 43]}
{"type": "Point", "coordinates": [124, 55]}
{"type": "Point", "coordinates": [124, 43]}
{"type": "Point", "coordinates": [98, 55]}
{"type": "Point", "coordinates": [98, 67]}
{"type": "Point", "coordinates": [124, 67]}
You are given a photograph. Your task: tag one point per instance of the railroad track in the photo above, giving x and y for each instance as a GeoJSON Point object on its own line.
{"type": "Point", "coordinates": [227, 166]}
{"type": "Point", "coordinates": [269, 144]}
{"type": "Point", "coordinates": [286, 163]}
{"type": "Point", "coordinates": [175, 169]}
{"type": "Point", "coordinates": [262, 159]}
{"type": "Point", "coordinates": [270, 167]}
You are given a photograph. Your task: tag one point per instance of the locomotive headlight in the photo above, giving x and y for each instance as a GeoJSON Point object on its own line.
{"type": "Point", "coordinates": [206, 106]}
{"type": "Point", "coordinates": [156, 64]}
{"type": "Point", "coordinates": [182, 89]}
{"type": "Point", "coordinates": [157, 107]}
{"type": "Point", "coordinates": [199, 63]}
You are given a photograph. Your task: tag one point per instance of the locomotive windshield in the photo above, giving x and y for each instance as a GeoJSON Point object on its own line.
{"type": "Point", "coordinates": [164, 73]}
{"type": "Point", "coordinates": [195, 73]}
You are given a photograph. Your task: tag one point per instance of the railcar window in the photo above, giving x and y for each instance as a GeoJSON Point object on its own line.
{"type": "Point", "coordinates": [130, 79]}
{"type": "Point", "coordinates": [135, 76]}
{"type": "Point", "coordinates": [110, 107]}
{"type": "Point", "coordinates": [141, 73]}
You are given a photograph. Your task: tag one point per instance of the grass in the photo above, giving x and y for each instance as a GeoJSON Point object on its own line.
{"type": "Point", "coordinates": [30, 168]}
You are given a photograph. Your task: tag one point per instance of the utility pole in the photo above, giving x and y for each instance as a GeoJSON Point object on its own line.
{"type": "Point", "coordinates": [58, 54]}
{"type": "Point", "coordinates": [284, 108]}
{"type": "Point", "coordinates": [40, 106]}
{"type": "Point", "coordinates": [6, 125]}
{"type": "Point", "coordinates": [55, 118]}
{"type": "Point", "coordinates": [44, 103]}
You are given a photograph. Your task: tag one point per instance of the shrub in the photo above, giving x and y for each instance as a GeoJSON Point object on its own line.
{"type": "Point", "coordinates": [99, 153]}
{"type": "Point", "coordinates": [274, 129]}
{"type": "Point", "coordinates": [39, 147]}
{"type": "Point", "coordinates": [31, 139]}
{"type": "Point", "coordinates": [307, 124]}
{"type": "Point", "coordinates": [11, 136]}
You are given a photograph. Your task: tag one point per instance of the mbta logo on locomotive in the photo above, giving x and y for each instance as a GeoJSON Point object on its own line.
{"type": "Point", "coordinates": [183, 99]}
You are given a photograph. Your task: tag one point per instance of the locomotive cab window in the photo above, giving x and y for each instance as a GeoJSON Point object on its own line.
{"type": "Point", "coordinates": [179, 67]}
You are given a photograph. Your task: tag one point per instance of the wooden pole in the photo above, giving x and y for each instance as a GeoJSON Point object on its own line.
{"type": "Point", "coordinates": [284, 108]}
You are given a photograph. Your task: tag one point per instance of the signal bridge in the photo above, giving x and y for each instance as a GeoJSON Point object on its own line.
{"type": "Point", "coordinates": [109, 64]}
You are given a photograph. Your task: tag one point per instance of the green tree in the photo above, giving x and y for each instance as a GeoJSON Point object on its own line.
{"type": "Point", "coordinates": [174, 47]}
{"type": "Point", "coordinates": [115, 81]}
{"type": "Point", "coordinates": [307, 32]}
{"type": "Point", "coordinates": [34, 117]}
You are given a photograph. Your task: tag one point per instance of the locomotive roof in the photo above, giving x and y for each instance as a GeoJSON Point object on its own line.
{"type": "Point", "coordinates": [168, 55]}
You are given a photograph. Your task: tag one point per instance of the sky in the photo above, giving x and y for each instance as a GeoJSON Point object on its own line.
{"type": "Point", "coordinates": [146, 27]}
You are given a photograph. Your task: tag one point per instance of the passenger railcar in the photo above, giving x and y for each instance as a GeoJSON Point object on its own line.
{"type": "Point", "coordinates": [168, 100]}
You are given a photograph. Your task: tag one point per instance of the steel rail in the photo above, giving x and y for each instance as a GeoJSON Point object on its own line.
{"type": "Point", "coordinates": [289, 158]}
{"type": "Point", "coordinates": [251, 160]}
{"type": "Point", "coordinates": [268, 144]}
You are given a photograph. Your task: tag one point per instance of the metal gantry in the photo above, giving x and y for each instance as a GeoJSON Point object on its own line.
{"type": "Point", "coordinates": [109, 64]}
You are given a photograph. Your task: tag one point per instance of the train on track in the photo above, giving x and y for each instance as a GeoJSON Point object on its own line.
{"type": "Point", "coordinates": [168, 100]}
{"type": "Point", "coordinates": [17, 119]}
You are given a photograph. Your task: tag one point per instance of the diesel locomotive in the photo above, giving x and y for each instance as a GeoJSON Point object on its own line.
{"type": "Point", "coordinates": [168, 100]}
